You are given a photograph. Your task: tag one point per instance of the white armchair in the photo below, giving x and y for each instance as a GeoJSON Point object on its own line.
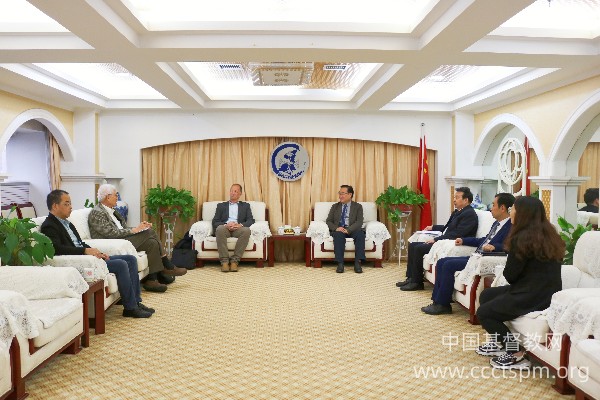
{"type": "Point", "coordinates": [584, 367]}
{"type": "Point", "coordinates": [206, 244]}
{"type": "Point", "coordinates": [573, 315]}
{"type": "Point", "coordinates": [322, 242]}
{"type": "Point", "coordinates": [447, 248]}
{"type": "Point", "coordinates": [112, 247]}
{"type": "Point", "coordinates": [51, 320]}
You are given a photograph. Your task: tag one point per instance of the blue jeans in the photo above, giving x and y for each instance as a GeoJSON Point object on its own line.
{"type": "Point", "coordinates": [128, 281]}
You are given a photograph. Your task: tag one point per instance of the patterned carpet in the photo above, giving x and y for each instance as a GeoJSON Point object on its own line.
{"type": "Point", "coordinates": [287, 332]}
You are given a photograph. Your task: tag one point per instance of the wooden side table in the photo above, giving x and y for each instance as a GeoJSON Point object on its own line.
{"type": "Point", "coordinates": [301, 236]}
{"type": "Point", "coordinates": [97, 290]}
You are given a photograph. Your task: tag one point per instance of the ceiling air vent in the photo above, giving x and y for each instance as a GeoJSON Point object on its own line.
{"type": "Point", "coordinates": [231, 67]}
{"type": "Point", "coordinates": [335, 67]}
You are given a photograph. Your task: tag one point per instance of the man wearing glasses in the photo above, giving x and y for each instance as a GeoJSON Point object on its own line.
{"type": "Point", "coordinates": [345, 220]}
{"type": "Point", "coordinates": [106, 223]}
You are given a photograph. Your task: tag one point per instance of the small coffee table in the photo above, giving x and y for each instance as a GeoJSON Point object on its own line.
{"type": "Point", "coordinates": [96, 288]}
{"type": "Point", "coordinates": [300, 236]}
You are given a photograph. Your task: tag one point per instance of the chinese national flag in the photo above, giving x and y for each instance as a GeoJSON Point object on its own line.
{"type": "Point", "coordinates": [423, 181]}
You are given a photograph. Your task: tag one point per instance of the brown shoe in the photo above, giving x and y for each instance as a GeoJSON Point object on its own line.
{"type": "Point", "coordinates": [154, 286]}
{"type": "Point", "coordinates": [233, 267]}
{"type": "Point", "coordinates": [224, 267]}
{"type": "Point", "coordinates": [176, 271]}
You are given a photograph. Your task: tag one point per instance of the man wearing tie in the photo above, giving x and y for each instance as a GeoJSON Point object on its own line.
{"type": "Point", "coordinates": [345, 220]}
{"type": "Point", "coordinates": [446, 267]}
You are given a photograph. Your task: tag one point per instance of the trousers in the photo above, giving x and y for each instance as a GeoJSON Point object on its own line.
{"type": "Point", "coordinates": [339, 244]}
{"type": "Point", "coordinates": [128, 281]}
{"type": "Point", "coordinates": [243, 237]}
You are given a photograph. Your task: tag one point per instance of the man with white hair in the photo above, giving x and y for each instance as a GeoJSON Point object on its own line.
{"type": "Point", "coordinates": [106, 223]}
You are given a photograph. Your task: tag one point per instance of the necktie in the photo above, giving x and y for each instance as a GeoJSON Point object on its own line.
{"type": "Point", "coordinates": [489, 236]}
{"type": "Point", "coordinates": [344, 212]}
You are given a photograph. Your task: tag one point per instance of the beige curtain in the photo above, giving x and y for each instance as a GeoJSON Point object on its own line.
{"type": "Point", "coordinates": [533, 169]}
{"type": "Point", "coordinates": [589, 165]}
{"type": "Point", "coordinates": [55, 156]}
{"type": "Point", "coordinates": [208, 168]}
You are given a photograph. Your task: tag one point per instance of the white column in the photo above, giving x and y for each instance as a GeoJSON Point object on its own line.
{"type": "Point", "coordinates": [562, 195]}
{"type": "Point", "coordinates": [80, 176]}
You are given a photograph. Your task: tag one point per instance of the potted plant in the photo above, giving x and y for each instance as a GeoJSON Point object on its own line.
{"type": "Point", "coordinates": [570, 235]}
{"type": "Point", "coordinates": [19, 245]}
{"type": "Point", "coordinates": [397, 201]}
{"type": "Point", "coordinates": [169, 201]}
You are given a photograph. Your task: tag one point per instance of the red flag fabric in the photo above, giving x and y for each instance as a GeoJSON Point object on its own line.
{"type": "Point", "coordinates": [423, 181]}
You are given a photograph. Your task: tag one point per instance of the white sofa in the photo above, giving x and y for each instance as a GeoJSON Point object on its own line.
{"type": "Point", "coordinates": [448, 248]}
{"type": "Point", "coordinates": [584, 366]}
{"type": "Point", "coordinates": [322, 242]}
{"type": "Point", "coordinates": [573, 314]}
{"type": "Point", "coordinates": [205, 242]}
{"type": "Point", "coordinates": [51, 320]}
{"type": "Point", "coordinates": [112, 247]}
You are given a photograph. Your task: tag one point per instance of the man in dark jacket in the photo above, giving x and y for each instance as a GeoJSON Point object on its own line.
{"type": "Point", "coordinates": [447, 266]}
{"type": "Point", "coordinates": [462, 223]}
{"type": "Point", "coordinates": [232, 219]}
{"type": "Point", "coordinates": [66, 241]}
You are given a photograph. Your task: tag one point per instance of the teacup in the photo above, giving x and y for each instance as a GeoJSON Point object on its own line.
{"type": "Point", "coordinates": [280, 230]}
{"type": "Point", "coordinates": [297, 230]}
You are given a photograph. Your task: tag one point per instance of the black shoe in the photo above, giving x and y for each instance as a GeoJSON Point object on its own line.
{"type": "Point", "coordinates": [137, 313]}
{"type": "Point", "coordinates": [165, 279]}
{"type": "Point", "coordinates": [154, 286]}
{"type": "Point", "coordinates": [119, 302]}
{"type": "Point", "coordinates": [437, 309]}
{"type": "Point", "coordinates": [357, 267]}
{"type": "Point", "coordinates": [410, 287]}
{"type": "Point", "coordinates": [340, 268]}
{"type": "Point", "coordinates": [404, 282]}
{"type": "Point", "coordinates": [145, 308]}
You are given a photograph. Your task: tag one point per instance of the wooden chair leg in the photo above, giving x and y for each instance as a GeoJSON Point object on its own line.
{"type": "Point", "coordinates": [377, 264]}
{"type": "Point", "coordinates": [260, 263]}
{"type": "Point", "coordinates": [317, 263]}
{"type": "Point", "coordinates": [199, 263]}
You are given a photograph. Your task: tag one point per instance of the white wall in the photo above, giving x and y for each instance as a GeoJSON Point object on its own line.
{"type": "Point", "coordinates": [122, 135]}
{"type": "Point", "coordinates": [27, 161]}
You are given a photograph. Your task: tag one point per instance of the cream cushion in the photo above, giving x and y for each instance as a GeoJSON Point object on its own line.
{"type": "Point", "coordinates": [584, 362]}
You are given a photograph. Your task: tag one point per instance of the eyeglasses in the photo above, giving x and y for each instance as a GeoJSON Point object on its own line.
{"type": "Point", "coordinates": [342, 193]}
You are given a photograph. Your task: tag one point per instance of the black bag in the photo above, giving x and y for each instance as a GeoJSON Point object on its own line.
{"type": "Point", "coordinates": [183, 255]}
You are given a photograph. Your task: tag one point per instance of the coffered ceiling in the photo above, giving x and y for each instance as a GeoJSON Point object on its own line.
{"type": "Point", "coordinates": [413, 55]}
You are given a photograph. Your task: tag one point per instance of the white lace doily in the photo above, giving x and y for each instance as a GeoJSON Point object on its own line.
{"type": "Point", "coordinates": [15, 317]}
{"type": "Point", "coordinates": [479, 265]}
{"type": "Point", "coordinates": [259, 231]}
{"type": "Point", "coordinates": [318, 231]}
{"type": "Point", "coordinates": [575, 312]}
{"type": "Point", "coordinates": [80, 263]}
{"type": "Point", "coordinates": [43, 282]}
{"type": "Point", "coordinates": [201, 230]}
{"type": "Point", "coordinates": [377, 232]}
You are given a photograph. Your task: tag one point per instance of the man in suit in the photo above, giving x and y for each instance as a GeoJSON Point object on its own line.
{"type": "Point", "coordinates": [106, 223]}
{"type": "Point", "coordinates": [462, 223]}
{"type": "Point", "coordinates": [345, 220]}
{"type": "Point", "coordinates": [446, 267]}
{"type": "Point", "coordinates": [232, 219]}
{"type": "Point", "coordinates": [591, 200]}
{"type": "Point", "coordinates": [66, 241]}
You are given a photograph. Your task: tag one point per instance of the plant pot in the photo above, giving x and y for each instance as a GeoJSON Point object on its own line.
{"type": "Point", "coordinates": [404, 208]}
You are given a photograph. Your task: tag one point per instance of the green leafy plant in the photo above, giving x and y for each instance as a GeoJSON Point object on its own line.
{"type": "Point", "coordinates": [395, 201]}
{"type": "Point", "coordinates": [169, 201]}
{"type": "Point", "coordinates": [19, 245]}
{"type": "Point", "coordinates": [535, 194]}
{"type": "Point", "coordinates": [571, 234]}
{"type": "Point", "coordinates": [89, 204]}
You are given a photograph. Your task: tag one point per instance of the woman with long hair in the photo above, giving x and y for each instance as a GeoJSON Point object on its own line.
{"type": "Point", "coordinates": [535, 252]}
